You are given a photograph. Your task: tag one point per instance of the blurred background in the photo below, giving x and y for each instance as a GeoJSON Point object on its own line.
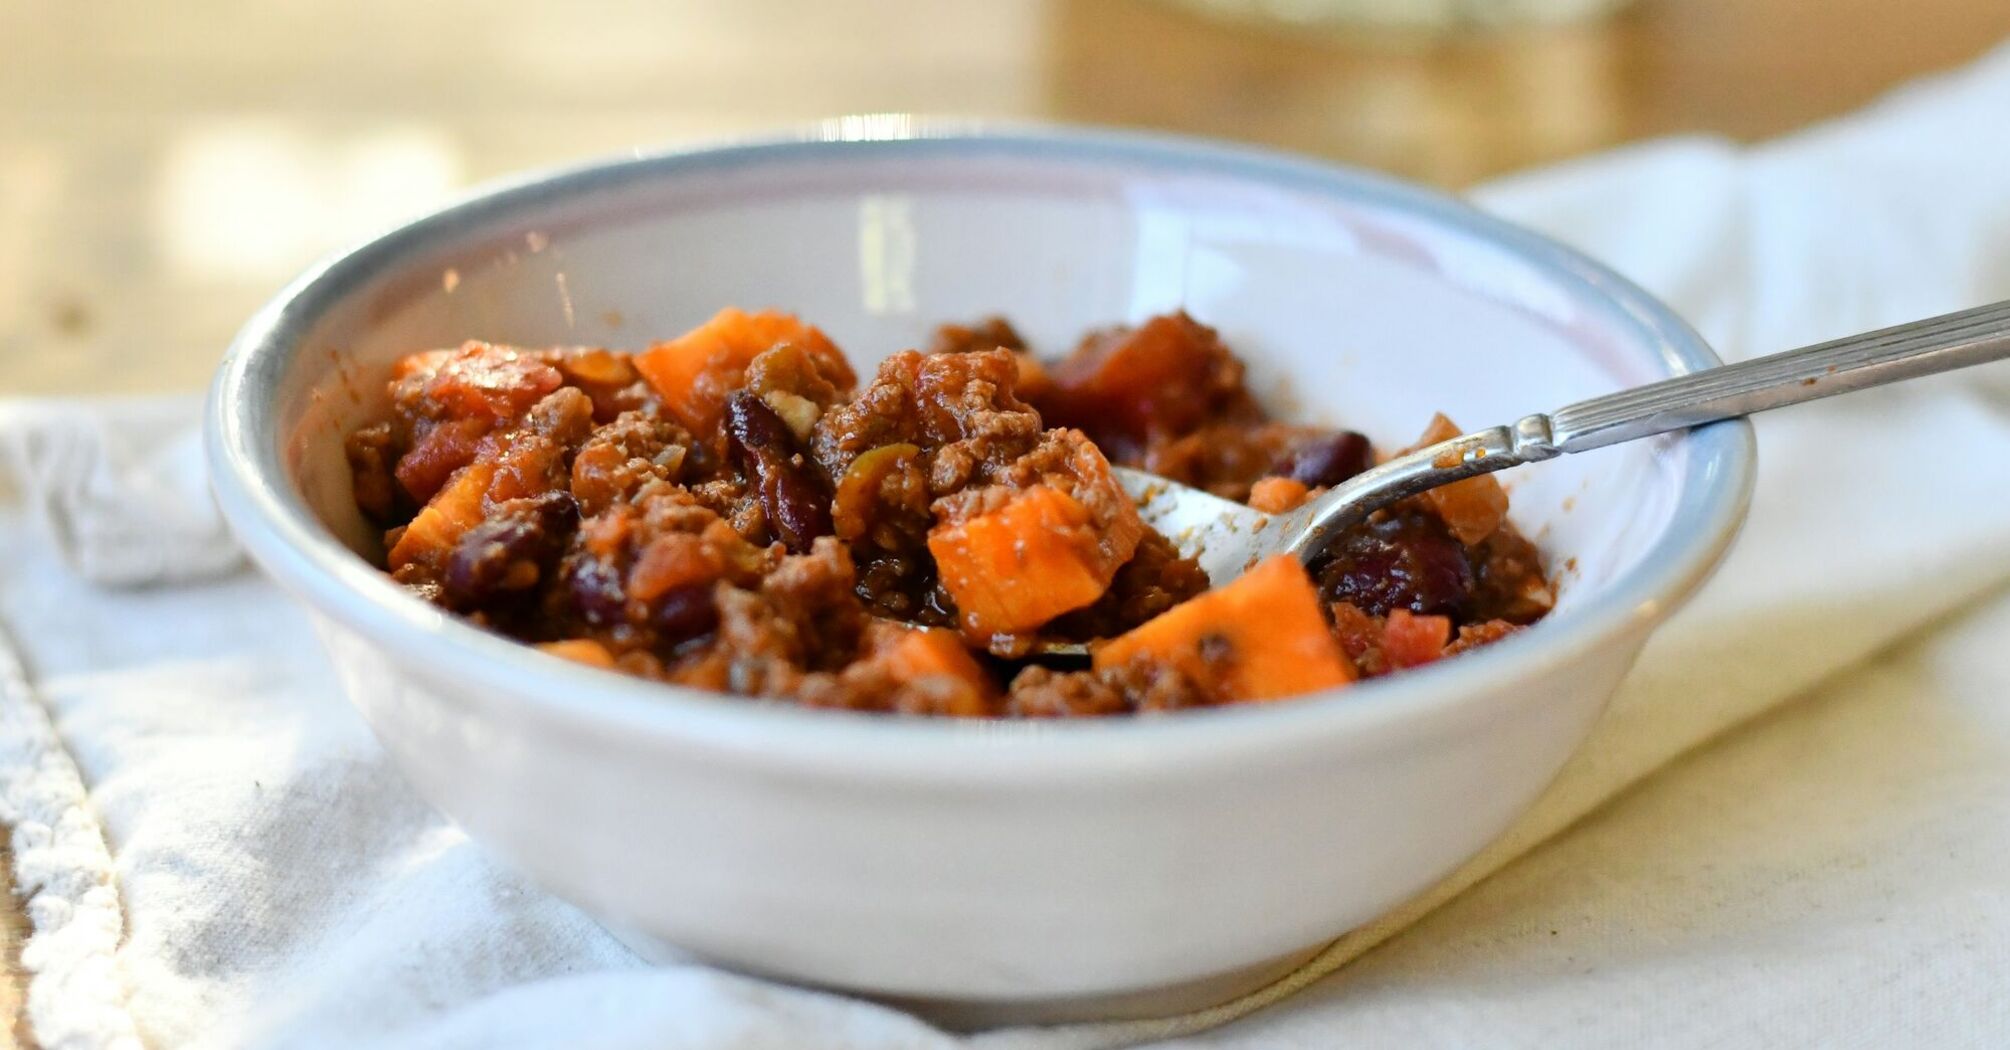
{"type": "Point", "coordinates": [164, 168]}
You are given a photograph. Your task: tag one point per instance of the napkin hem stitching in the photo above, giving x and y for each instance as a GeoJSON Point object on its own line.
{"type": "Point", "coordinates": [74, 996]}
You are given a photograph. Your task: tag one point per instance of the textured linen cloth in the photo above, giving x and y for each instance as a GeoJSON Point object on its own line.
{"type": "Point", "coordinates": [216, 853]}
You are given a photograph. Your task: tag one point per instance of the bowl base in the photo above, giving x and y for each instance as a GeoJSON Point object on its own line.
{"type": "Point", "coordinates": [966, 1015]}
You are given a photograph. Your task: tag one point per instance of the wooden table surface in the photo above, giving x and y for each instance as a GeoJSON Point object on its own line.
{"type": "Point", "coordinates": [165, 167]}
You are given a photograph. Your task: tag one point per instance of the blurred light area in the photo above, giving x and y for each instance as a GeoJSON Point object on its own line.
{"type": "Point", "coordinates": [1165, 247]}
{"type": "Point", "coordinates": [251, 199]}
{"type": "Point", "coordinates": [166, 167]}
{"type": "Point", "coordinates": [867, 127]}
{"type": "Point", "coordinates": [29, 180]}
{"type": "Point", "coordinates": [709, 63]}
{"type": "Point", "coordinates": [886, 253]}
{"type": "Point", "coordinates": [1410, 15]}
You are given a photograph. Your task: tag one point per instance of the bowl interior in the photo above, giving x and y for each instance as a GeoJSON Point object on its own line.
{"type": "Point", "coordinates": [1354, 302]}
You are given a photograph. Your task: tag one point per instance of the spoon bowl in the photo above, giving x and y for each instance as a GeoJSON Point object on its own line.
{"type": "Point", "coordinates": [1227, 538]}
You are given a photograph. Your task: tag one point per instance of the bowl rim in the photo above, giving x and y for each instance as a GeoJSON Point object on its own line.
{"type": "Point", "coordinates": [285, 538]}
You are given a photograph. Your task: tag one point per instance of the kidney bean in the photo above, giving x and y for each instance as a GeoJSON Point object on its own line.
{"type": "Point", "coordinates": [598, 593]}
{"type": "Point", "coordinates": [510, 552]}
{"type": "Point", "coordinates": [1405, 561]}
{"type": "Point", "coordinates": [686, 613]}
{"type": "Point", "coordinates": [795, 499]}
{"type": "Point", "coordinates": [1326, 461]}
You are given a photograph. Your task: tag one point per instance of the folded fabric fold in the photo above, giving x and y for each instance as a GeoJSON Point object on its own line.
{"type": "Point", "coordinates": [283, 887]}
{"type": "Point", "coordinates": [119, 487]}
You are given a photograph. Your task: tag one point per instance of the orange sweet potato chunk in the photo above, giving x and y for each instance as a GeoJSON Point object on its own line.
{"type": "Point", "coordinates": [1261, 637]}
{"type": "Point", "coordinates": [1275, 495]}
{"type": "Point", "coordinates": [1472, 509]}
{"type": "Point", "coordinates": [1410, 640]}
{"type": "Point", "coordinates": [581, 650]}
{"type": "Point", "coordinates": [1016, 567]}
{"type": "Point", "coordinates": [921, 652]}
{"type": "Point", "coordinates": [1167, 375]}
{"type": "Point", "coordinates": [455, 509]}
{"type": "Point", "coordinates": [697, 370]}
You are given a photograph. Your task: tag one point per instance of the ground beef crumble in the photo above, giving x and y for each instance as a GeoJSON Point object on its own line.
{"type": "Point", "coordinates": [766, 528]}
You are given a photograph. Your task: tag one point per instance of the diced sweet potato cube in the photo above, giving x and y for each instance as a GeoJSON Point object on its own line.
{"type": "Point", "coordinates": [1134, 363]}
{"type": "Point", "coordinates": [581, 650]}
{"type": "Point", "coordinates": [1409, 640]}
{"type": "Point", "coordinates": [1472, 509]}
{"type": "Point", "coordinates": [1013, 568]}
{"type": "Point", "coordinates": [455, 509]}
{"type": "Point", "coordinates": [911, 652]}
{"type": "Point", "coordinates": [1275, 495]}
{"type": "Point", "coordinates": [1261, 637]}
{"type": "Point", "coordinates": [697, 370]}
{"type": "Point", "coordinates": [1164, 377]}
{"type": "Point", "coordinates": [1359, 634]}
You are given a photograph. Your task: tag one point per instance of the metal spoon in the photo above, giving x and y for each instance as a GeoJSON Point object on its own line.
{"type": "Point", "coordinates": [1228, 537]}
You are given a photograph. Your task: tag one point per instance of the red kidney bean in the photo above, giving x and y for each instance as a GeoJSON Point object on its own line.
{"type": "Point", "coordinates": [1326, 461]}
{"type": "Point", "coordinates": [1405, 561]}
{"type": "Point", "coordinates": [510, 552]}
{"type": "Point", "coordinates": [796, 500]}
{"type": "Point", "coordinates": [598, 592]}
{"type": "Point", "coordinates": [686, 613]}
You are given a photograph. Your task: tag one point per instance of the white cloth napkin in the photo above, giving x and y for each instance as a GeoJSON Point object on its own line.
{"type": "Point", "coordinates": [215, 852]}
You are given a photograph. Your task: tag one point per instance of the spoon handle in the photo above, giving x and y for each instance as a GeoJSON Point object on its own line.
{"type": "Point", "coordinates": [1937, 344]}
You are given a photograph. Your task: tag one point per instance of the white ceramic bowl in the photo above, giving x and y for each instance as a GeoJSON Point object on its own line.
{"type": "Point", "coordinates": [989, 869]}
